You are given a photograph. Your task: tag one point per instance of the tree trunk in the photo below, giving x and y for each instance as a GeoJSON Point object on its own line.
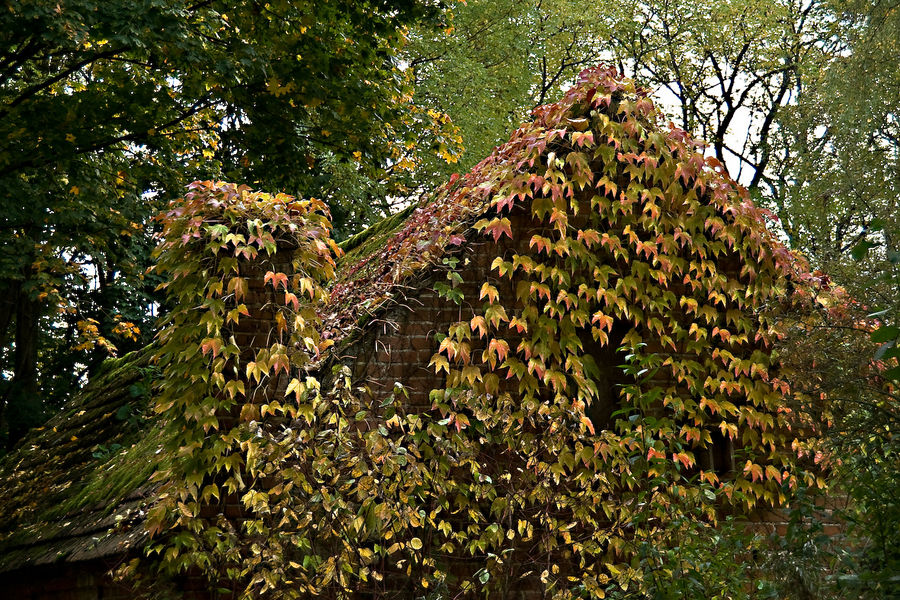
{"type": "Point", "coordinates": [20, 408]}
{"type": "Point", "coordinates": [9, 293]}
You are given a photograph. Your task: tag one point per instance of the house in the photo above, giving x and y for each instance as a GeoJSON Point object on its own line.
{"type": "Point", "coordinates": [581, 331]}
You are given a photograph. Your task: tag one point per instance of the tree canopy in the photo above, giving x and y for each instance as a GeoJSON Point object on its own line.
{"type": "Point", "coordinates": [108, 108]}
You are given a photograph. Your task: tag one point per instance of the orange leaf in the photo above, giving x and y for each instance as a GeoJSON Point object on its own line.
{"type": "Point", "coordinates": [290, 298]}
{"type": "Point", "coordinates": [587, 423]}
{"type": "Point", "coordinates": [276, 279]}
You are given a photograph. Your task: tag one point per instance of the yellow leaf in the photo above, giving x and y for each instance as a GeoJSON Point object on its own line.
{"type": "Point", "coordinates": [440, 362]}
{"type": "Point", "coordinates": [490, 291]}
{"type": "Point", "coordinates": [416, 543]}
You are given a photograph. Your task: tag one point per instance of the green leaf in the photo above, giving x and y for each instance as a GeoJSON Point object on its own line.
{"type": "Point", "coordinates": [885, 333]}
{"type": "Point", "coordinates": [892, 374]}
{"type": "Point", "coordinates": [860, 250]}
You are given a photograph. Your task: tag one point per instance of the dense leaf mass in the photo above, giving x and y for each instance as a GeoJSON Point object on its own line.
{"type": "Point", "coordinates": [512, 478]}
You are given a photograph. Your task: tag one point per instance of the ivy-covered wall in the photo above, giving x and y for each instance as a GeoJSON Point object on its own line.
{"type": "Point", "coordinates": [582, 327]}
{"type": "Point", "coordinates": [595, 228]}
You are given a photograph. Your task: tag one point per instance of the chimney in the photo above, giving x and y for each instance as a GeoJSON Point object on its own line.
{"type": "Point", "coordinates": [245, 269]}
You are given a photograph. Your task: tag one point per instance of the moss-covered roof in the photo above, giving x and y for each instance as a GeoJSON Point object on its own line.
{"type": "Point", "coordinates": [72, 489]}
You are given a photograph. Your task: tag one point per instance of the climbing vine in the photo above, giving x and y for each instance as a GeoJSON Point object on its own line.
{"type": "Point", "coordinates": [613, 239]}
{"type": "Point", "coordinates": [223, 364]}
{"type": "Point", "coordinates": [629, 228]}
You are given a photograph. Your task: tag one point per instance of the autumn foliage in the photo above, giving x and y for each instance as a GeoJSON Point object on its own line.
{"type": "Point", "coordinates": [638, 242]}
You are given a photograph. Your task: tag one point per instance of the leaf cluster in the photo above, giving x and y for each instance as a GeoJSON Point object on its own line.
{"type": "Point", "coordinates": [215, 392]}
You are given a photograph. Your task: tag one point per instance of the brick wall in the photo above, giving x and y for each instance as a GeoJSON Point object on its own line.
{"type": "Point", "coordinates": [825, 514]}
{"type": "Point", "coordinates": [399, 344]}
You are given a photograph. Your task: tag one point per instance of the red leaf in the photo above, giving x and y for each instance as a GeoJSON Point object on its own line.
{"type": "Point", "coordinates": [290, 298]}
{"type": "Point", "coordinates": [498, 227]}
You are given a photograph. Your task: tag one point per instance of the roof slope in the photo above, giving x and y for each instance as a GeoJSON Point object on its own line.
{"type": "Point", "coordinates": [70, 489]}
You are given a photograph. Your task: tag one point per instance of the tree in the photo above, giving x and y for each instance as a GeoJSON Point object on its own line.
{"type": "Point", "coordinates": [495, 62]}
{"type": "Point", "coordinates": [839, 199]}
{"type": "Point", "coordinates": [106, 108]}
{"type": "Point", "coordinates": [841, 156]}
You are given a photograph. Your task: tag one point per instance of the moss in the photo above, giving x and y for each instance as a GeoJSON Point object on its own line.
{"type": "Point", "coordinates": [111, 481]}
{"type": "Point", "coordinates": [112, 366]}
{"type": "Point", "coordinates": [127, 459]}
{"type": "Point", "coordinates": [91, 456]}
{"type": "Point", "coordinates": [366, 242]}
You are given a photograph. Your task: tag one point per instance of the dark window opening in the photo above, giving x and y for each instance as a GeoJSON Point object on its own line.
{"type": "Point", "coordinates": [603, 363]}
{"type": "Point", "coordinates": [717, 456]}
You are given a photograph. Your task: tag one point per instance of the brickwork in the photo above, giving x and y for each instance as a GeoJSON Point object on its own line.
{"type": "Point", "coordinates": [826, 515]}
{"type": "Point", "coordinates": [398, 346]}
{"type": "Point", "coordinates": [92, 580]}
{"type": "Point", "coordinates": [257, 330]}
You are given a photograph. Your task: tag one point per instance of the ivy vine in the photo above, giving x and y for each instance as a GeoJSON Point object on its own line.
{"type": "Point", "coordinates": [507, 481]}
